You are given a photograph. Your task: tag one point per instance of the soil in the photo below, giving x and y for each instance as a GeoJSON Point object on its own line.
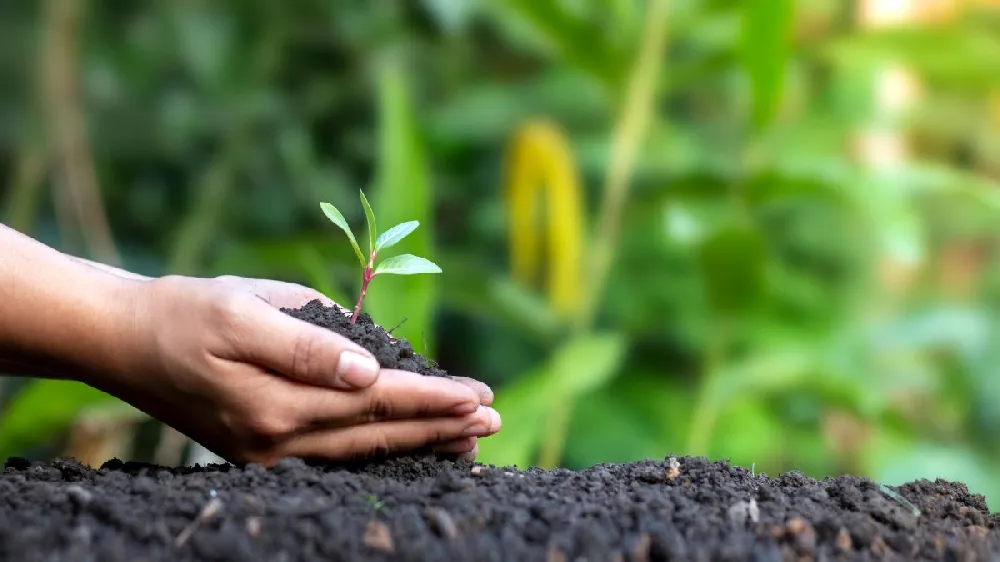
{"type": "Point", "coordinates": [423, 507]}
{"type": "Point", "coordinates": [392, 353]}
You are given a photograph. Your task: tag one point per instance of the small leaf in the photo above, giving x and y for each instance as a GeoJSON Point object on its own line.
{"type": "Point", "coordinates": [392, 236]}
{"type": "Point", "coordinates": [407, 264]}
{"type": "Point", "coordinates": [334, 215]}
{"type": "Point", "coordinates": [765, 39]}
{"type": "Point", "coordinates": [371, 221]}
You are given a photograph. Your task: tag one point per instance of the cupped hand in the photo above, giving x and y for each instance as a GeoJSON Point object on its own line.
{"type": "Point", "coordinates": [216, 360]}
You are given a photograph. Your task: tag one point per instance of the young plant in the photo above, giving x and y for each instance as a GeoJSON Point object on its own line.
{"type": "Point", "coordinates": [403, 264]}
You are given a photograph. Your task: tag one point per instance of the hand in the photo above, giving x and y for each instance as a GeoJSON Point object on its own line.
{"type": "Point", "coordinates": [217, 360]}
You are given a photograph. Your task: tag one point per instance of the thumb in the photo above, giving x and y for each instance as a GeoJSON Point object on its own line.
{"type": "Point", "coordinates": [301, 351]}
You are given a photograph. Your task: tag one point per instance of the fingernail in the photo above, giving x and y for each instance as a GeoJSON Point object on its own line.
{"type": "Point", "coordinates": [356, 369]}
{"type": "Point", "coordinates": [495, 421]}
{"type": "Point", "coordinates": [480, 429]}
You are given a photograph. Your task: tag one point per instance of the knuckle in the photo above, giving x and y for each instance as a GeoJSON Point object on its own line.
{"type": "Point", "coordinates": [379, 408]}
{"type": "Point", "coordinates": [228, 309]}
{"type": "Point", "coordinates": [380, 445]}
{"type": "Point", "coordinates": [270, 427]}
{"type": "Point", "coordinates": [371, 445]}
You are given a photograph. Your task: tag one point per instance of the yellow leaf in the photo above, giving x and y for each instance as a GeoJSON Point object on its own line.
{"type": "Point", "coordinates": [541, 164]}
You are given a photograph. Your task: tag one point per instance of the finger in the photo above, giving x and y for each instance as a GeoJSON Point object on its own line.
{"type": "Point", "coordinates": [482, 389]}
{"type": "Point", "coordinates": [391, 437]}
{"type": "Point", "coordinates": [472, 455]}
{"type": "Point", "coordinates": [288, 295]}
{"type": "Point", "coordinates": [396, 395]}
{"type": "Point", "coordinates": [298, 350]}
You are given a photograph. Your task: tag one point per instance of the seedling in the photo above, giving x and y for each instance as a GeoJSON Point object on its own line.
{"type": "Point", "coordinates": [376, 503]}
{"type": "Point", "coordinates": [403, 264]}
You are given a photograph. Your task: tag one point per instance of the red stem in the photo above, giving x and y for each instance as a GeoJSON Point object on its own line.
{"type": "Point", "coordinates": [366, 278]}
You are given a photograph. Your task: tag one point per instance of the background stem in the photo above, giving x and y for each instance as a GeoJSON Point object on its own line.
{"type": "Point", "coordinates": [74, 166]}
{"type": "Point", "coordinates": [627, 138]}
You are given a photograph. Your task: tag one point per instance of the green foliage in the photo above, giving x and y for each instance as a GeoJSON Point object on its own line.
{"type": "Point", "coordinates": [404, 194]}
{"type": "Point", "coordinates": [580, 366]}
{"type": "Point", "coordinates": [44, 408]}
{"type": "Point", "coordinates": [836, 293]}
{"type": "Point", "coordinates": [765, 46]}
{"type": "Point", "coordinates": [392, 236]}
{"type": "Point", "coordinates": [370, 218]}
{"type": "Point", "coordinates": [338, 219]}
{"type": "Point", "coordinates": [732, 261]}
{"type": "Point", "coordinates": [406, 264]}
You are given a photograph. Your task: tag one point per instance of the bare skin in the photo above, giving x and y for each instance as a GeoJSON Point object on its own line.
{"type": "Point", "coordinates": [216, 360]}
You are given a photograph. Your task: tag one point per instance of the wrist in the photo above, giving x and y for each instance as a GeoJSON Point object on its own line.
{"type": "Point", "coordinates": [87, 336]}
{"type": "Point", "coordinates": [61, 318]}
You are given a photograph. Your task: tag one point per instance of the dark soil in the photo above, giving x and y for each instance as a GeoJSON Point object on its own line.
{"type": "Point", "coordinates": [429, 508]}
{"type": "Point", "coordinates": [392, 353]}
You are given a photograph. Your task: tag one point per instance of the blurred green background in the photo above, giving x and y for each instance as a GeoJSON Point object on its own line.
{"type": "Point", "coordinates": [757, 230]}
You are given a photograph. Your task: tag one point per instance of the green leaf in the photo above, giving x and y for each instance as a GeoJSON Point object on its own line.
{"type": "Point", "coordinates": [471, 289]}
{"type": "Point", "coordinates": [766, 30]}
{"type": "Point", "coordinates": [370, 217]}
{"type": "Point", "coordinates": [580, 43]}
{"type": "Point", "coordinates": [334, 215]}
{"type": "Point", "coordinates": [43, 409]}
{"type": "Point", "coordinates": [406, 264]}
{"type": "Point", "coordinates": [392, 236]}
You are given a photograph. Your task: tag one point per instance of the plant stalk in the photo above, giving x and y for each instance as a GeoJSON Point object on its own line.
{"type": "Point", "coordinates": [366, 278]}
{"type": "Point", "coordinates": [706, 410]}
{"type": "Point", "coordinates": [629, 132]}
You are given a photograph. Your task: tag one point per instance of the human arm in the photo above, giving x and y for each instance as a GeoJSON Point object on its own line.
{"type": "Point", "coordinates": [214, 359]}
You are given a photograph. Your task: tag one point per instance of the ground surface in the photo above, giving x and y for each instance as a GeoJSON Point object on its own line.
{"type": "Point", "coordinates": [427, 508]}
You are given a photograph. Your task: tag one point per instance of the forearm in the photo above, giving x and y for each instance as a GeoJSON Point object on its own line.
{"type": "Point", "coordinates": [110, 269]}
{"type": "Point", "coordinates": [60, 317]}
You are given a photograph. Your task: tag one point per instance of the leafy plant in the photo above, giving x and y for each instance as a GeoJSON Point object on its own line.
{"type": "Point", "coordinates": [403, 264]}
{"type": "Point", "coordinates": [376, 503]}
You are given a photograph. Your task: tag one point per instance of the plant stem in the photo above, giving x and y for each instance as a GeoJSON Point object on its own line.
{"type": "Point", "coordinates": [366, 278]}
{"type": "Point", "coordinates": [627, 136]}
{"type": "Point", "coordinates": [705, 411]}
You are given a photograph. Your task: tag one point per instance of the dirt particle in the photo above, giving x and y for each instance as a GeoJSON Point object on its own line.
{"type": "Point", "coordinates": [673, 468]}
{"type": "Point", "coordinates": [555, 555]}
{"type": "Point", "coordinates": [253, 527]}
{"type": "Point", "coordinates": [843, 541]}
{"type": "Point", "coordinates": [802, 534]}
{"type": "Point", "coordinates": [639, 552]}
{"type": "Point", "coordinates": [441, 522]}
{"type": "Point", "coordinates": [476, 470]}
{"type": "Point", "coordinates": [879, 547]}
{"type": "Point", "coordinates": [741, 512]}
{"type": "Point", "coordinates": [378, 537]}
{"type": "Point", "coordinates": [978, 531]}
{"type": "Point", "coordinates": [211, 508]}
{"type": "Point", "coordinates": [81, 496]}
